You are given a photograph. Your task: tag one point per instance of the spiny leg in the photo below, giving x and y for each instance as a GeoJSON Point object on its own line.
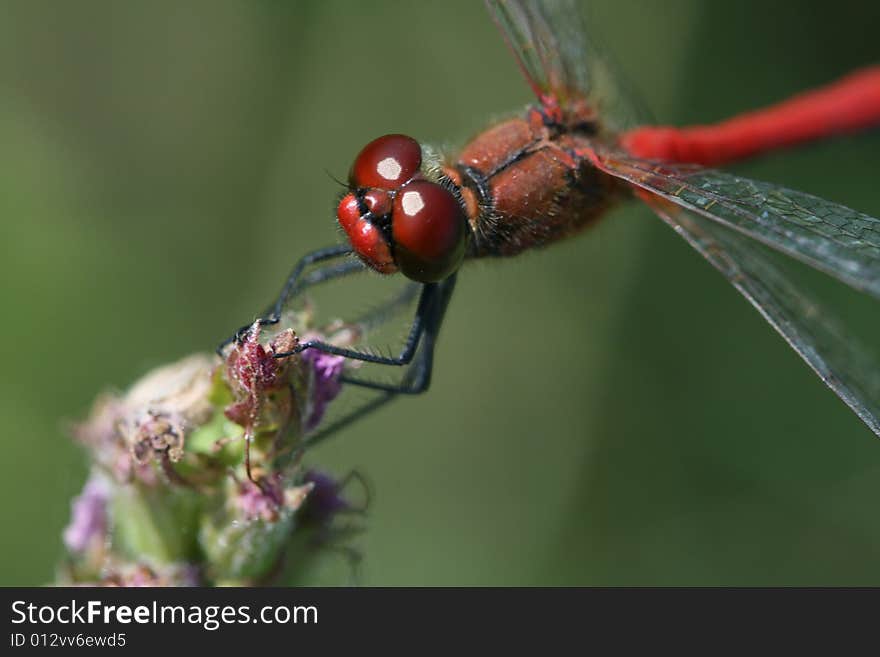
{"type": "Point", "coordinates": [426, 325]}
{"type": "Point", "coordinates": [328, 253]}
{"type": "Point", "coordinates": [383, 312]}
{"type": "Point", "coordinates": [427, 300]}
{"type": "Point", "coordinates": [339, 424]}
{"type": "Point", "coordinates": [432, 304]}
{"type": "Point", "coordinates": [387, 392]}
{"type": "Point", "coordinates": [297, 282]}
{"type": "Point", "coordinates": [417, 378]}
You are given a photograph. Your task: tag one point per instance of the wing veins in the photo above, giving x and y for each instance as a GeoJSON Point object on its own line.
{"type": "Point", "coordinates": [769, 218]}
{"type": "Point", "coordinates": [839, 360]}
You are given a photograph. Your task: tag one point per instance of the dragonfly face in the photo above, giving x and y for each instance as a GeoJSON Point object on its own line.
{"type": "Point", "coordinates": [399, 220]}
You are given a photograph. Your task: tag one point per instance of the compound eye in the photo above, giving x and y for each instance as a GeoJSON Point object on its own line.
{"type": "Point", "coordinates": [386, 162]}
{"type": "Point", "coordinates": [366, 239]}
{"type": "Point", "coordinates": [429, 231]}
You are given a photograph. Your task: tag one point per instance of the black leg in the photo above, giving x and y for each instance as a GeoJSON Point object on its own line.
{"type": "Point", "coordinates": [386, 310]}
{"type": "Point", "coordinates": [339, 424]}
{"type": "Point", "coordinates": [291, 286]}
{"type": "Point", "coordinates": [296, 282]}
{"type": "Point", "coordinates": [432, 304]}
{"type": "Point", "coordinates": [326, 273]}
{"type": "Point", "coordinates": [417, 350]}
{"type": "Point", "coordinates": [417, 378]}
{"type": "Point", "coordinates": [426, 301]}
{"type": "Point", "coordinates": [429, 317]}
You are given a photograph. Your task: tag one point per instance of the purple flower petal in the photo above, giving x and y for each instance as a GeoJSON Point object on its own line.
{"type": "Point", "coordinates": [88, 518]}
{"type": "Point", "coordinates": [326, 385]}
{"type": "Point", "coordinates": [262, 501]}
{"type": "Point", "coordinates": [325, 499]}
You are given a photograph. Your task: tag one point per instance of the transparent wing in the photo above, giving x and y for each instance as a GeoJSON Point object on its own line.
{"type": "Point", "coordinates": [560, 60]}
{"type": "Point", "coordinates": [840, 361]}
{"type": "Point", "coordinates": [830, 237]}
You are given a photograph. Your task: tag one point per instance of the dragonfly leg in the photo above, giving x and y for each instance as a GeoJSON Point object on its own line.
{"type": "Point", "coordinates": [433, 302]}
{"type": "Point", "coordinates": [415, 381]}
{"type": "Point", "coordinates": [429, 314]}
{"type": "Point", "coordinates": [350, 418]}
{"type": "Point", "coordinates": [427, 301]}
{"type": "Point", "coordinates": [298, 281]}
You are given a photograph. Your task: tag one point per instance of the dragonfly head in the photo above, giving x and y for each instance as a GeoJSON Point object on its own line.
{"type": "Point", "coordinates": [399, 217]}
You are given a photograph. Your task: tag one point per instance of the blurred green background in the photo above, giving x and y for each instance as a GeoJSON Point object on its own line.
{"type": "Point", "coordinates": [607, 411]}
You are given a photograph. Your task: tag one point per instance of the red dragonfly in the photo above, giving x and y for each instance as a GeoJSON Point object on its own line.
{"type": "Point", "coordinates": [545, 176]}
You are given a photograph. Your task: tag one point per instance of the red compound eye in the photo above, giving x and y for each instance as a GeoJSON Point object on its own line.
{"type": "Point", "coordinates": [428, 227]}
{"type": "Point", "coordinates": [386, 162]}
{"type": "Point", "coordinates": [366, 239]}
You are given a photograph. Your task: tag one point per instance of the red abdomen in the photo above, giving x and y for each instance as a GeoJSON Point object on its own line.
{"type": "Point", "coordinates": [525, 185]}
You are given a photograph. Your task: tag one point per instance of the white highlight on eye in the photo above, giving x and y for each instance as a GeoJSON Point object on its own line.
{"type": "Point", "coordinates": [412, 203]}
{"type": "Point", "coordinates": [389, 168]}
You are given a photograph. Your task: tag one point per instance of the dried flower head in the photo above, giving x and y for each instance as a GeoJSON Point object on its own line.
{"type": "Point", "coordinates": [197, 475]}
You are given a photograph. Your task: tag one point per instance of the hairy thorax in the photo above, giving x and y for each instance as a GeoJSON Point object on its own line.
{"type": "Point", "coordinates": [527, 182]}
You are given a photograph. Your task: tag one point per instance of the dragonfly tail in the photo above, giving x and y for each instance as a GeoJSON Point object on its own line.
{"type": "Point", "coordinates": [847, 105]}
